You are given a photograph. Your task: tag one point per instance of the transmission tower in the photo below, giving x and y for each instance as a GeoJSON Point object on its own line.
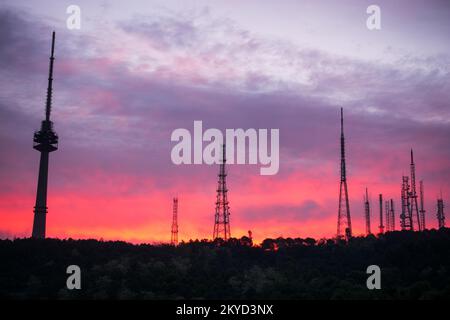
{"type": "Point", "coordinates": [422, 208]}
{"type": "Point", "coordinates": [381, 214]}
{"type": "Point", "coordinates": [392, 215]}
{"type": "Point", "coordinates": [367, 212]}
{"type": "Point", "coordinates": [222, 215]}
{"type": "Point", "coordinates": [440, 213]}
{"type": "Point", "coordinates": [413, 196]}
{"type": "Point", "coordinates": [45, 141]}
{"type": "Point", "coordinates": [387, 217]}
{"type": "Point", "coordinates": [406, 221]}
{"type": "Point", "coordinates": [344, 225]}
{"type": "Point", "coordinates": [174, 234]}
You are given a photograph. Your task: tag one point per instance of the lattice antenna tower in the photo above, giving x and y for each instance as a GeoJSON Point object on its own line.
{"type": "Point", "coordinates": [381, 226]}
{"type": "Point", "coordinates": [413, 195]}
{"type": "Point", "coordinates": [174, 231]}
{"type": "Point", "coordinates": [344, 224]}
{"type": "Point", "coordinates": [422, 207]}
{"type": "Point", "coordinates": [440, 212]}
{"type": "Point", "coordinates": [222, 213]}
{"type": "Point", "coordinates": [406, 222]}
{"type": "Point", "coordinates": [367, 212]}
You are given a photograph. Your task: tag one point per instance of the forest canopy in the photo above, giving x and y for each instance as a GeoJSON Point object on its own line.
{"type": "Point", "coordinates": [414, 265]}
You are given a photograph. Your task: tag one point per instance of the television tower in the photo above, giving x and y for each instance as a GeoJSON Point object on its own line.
{"type": "Point", "coordinates": [440, 213]}
{"type": "Point", "coordinates": [367, 213]}
{"type": "Point", "coordinates": [45, 141]}
{"type": "Point", "coordinates": [422, 208]}
{"type": "Point", "coordinates": [381, 214]}
{"type": "Point", "coordinates": [222, 214]}
{"type": "Point", "coordinates": [174, 234]}
{"type": "Point", "coordinates": [344, 225]}
{"type": "Point", "coordinates": [413, 195]}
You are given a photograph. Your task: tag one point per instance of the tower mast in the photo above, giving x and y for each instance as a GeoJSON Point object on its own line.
{"type": "Point", "coordinates": [45, 141]}
{"type": "Point", "coordinates": [406, 222]}
{"type": "Point", "coordinates": [381, 214]}
{"type": "Point", "coordinates": [367, 213]}
{"type": "Point", "coordinates": [422, 207]}
{"type": "Point", "coordinates": [387, 215]}
{"type": "Point", "coordinates": [222, 214]}
{"type": "Point", "coordinates": [174, 233]}
{"type": "Point", "coordinates": [344, 225]}
{"type": "Point", "coordinates": [440, 212]}
{"type": "Point", "coordinates": [392, 215]}
{"type": "Point", "coordinates": [413, 195]}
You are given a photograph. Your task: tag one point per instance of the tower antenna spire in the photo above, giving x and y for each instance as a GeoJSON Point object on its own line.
{"type": "Point", "coordinates": [48, 104]}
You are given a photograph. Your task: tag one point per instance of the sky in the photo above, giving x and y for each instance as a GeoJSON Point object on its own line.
{"type": "Point", "coordinates": [138, 70]}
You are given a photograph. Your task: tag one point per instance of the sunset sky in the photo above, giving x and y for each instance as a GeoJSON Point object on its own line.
{"type": "Point", "coordinates": [137, 70]}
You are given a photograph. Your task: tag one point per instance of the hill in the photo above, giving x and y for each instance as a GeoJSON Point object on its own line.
{"type": "Point", "coordinates": [413, 266]}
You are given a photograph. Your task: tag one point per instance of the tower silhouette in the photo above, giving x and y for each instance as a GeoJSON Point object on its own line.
{"type": "Point", "coordinates": [381, 226]}
{"type": "Point", "coordinates": [440, 212]}
{"type": "Point", "coordinates": [422, 207]}
{"type": "Point", "coordinates": [413, 196]}
{"type": "Point", "coordinates": [222, 214]}
{"type": "Point", "coordinates": [367, 213]}
{"type": "Point", "coordinates": [387, 217]}
{"type": "Point", "coordinates": [344, 225]}
{"type": "Point", "coordinates": [174, 234]}
{"type": "Point", "coordinates": [45, 141]}
{"type": "Point", "coordinates": [391, 216]}
{"type": "Point", "coordinates": [406, 221]}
